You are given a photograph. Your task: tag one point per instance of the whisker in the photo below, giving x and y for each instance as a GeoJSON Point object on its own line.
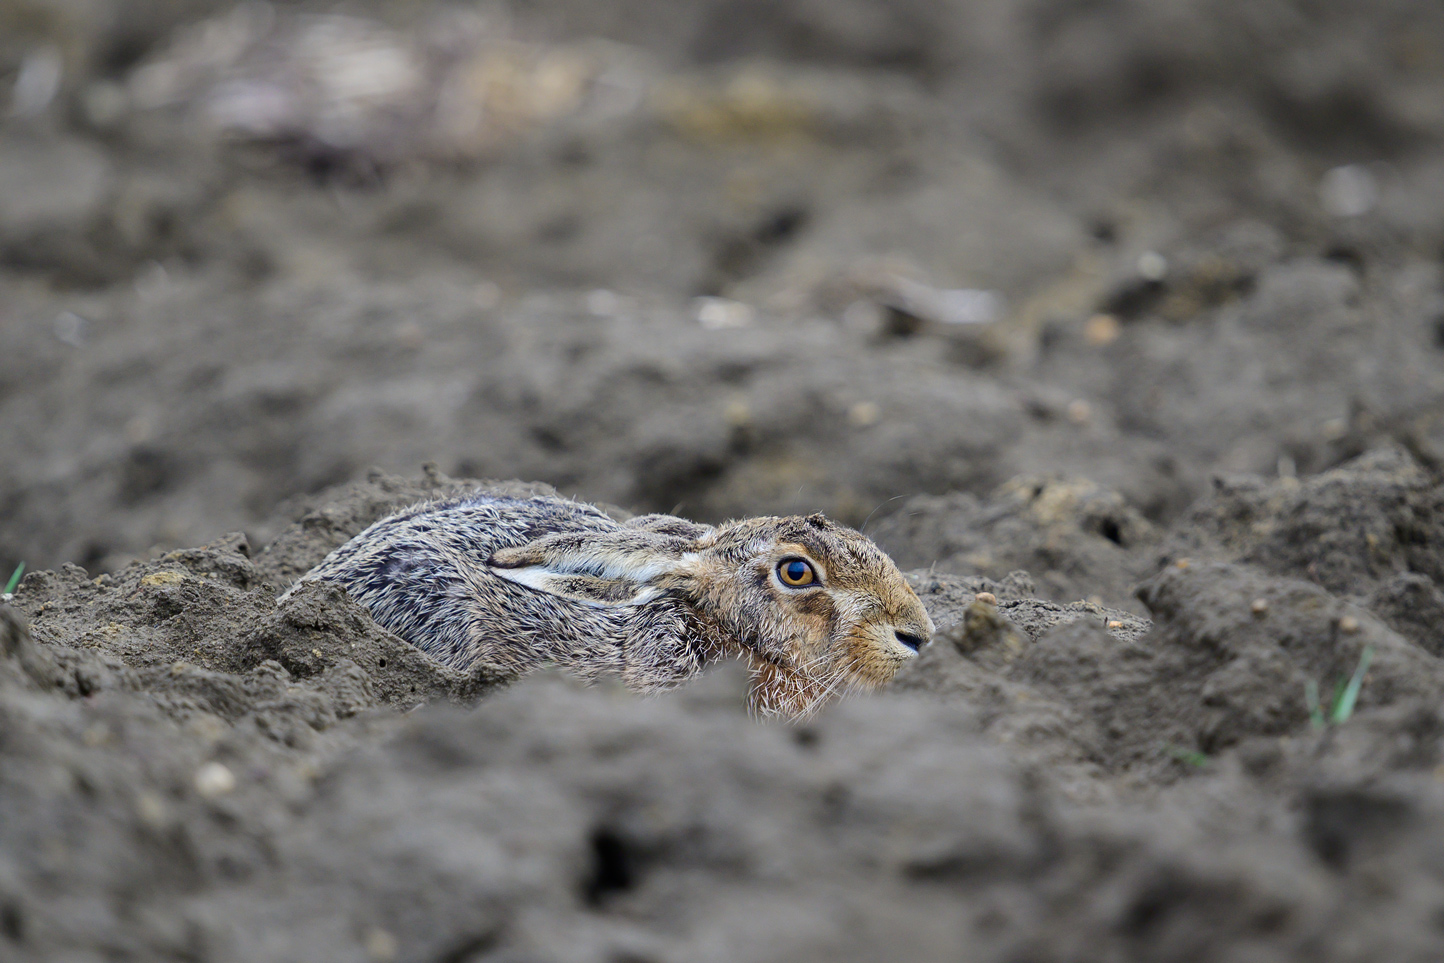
{"type": "Point", "coordinates": [863, 529]}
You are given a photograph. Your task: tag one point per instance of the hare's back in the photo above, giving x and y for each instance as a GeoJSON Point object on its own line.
{"type": "Point", "coordinates": [418, 571]}
{"type": "Point", "coordinates": [469, 527]}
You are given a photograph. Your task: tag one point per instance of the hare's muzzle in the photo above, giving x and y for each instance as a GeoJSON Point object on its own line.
{"type": "Point", "coordinates": [914, 642]}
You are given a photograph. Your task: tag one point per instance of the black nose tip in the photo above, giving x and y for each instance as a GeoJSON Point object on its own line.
{"type": "Point", "coordinates": [914, 642]}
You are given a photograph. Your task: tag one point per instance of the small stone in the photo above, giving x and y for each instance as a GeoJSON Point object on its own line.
{"type": "Point", "coordinates": [1080, 412]}
{"type": "Point", "coordinates": [39, 79]}
{"type": "Point", "coordinates": [737, 414]}
{"type": "Point", "coordinates": [70, 328]}
{"type": "Point", "coordinates": [1349, 191]}
{"type": "Point", "coordinates": [1259, 607]}
{"type": "Point", "coordinates": [158, 579]}
{"type": "Point", "coordinates": [1348, 625]}
{"type": "Point", "coordinates": [381, 945]}
{"type": "Point", "coordinates": [214, 780]}
{"type": "Point", "coordinates": [1102, 329]}
{"type": "Point", "coordinates": [1152, 266]}
{"type": "Point", "coordinates": [602, 303]}
{"type": "Point", "coordinates": [864, 414]}
{"type": "Point", "coordinates": [722, 313]}
{"type": "Point", "coordinates": [987, 597]}
{"type": "Point", "coordinates": [1182, 564]}
{"type": "Point", "coordinates": [1115, 624]}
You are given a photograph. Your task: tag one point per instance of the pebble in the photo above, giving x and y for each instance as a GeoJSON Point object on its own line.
{"type": "Point", "coordinates": [214, 780]}
{"type": "Point", "coordinates": [1152, 266]}
{"type": "Point", "coordinates": [864, 414]}
{"type": "Point", "coordinates": [1102, 329]}
{"type": "Point", "coordinates": [1349, 191]}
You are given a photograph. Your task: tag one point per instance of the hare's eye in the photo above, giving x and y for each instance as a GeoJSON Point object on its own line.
{"type": "Point", "coordinates": [796, 572]}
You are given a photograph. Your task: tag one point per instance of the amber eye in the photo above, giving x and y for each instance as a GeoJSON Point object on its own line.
{"type": "Point", "coordinates": [795, 572]}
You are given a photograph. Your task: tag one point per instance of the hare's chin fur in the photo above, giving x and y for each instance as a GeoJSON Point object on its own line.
{"type": "Point", "coordinates": [782, 692]}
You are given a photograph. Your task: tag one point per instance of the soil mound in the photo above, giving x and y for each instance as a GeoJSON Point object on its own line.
{"type": "Point", "coordinates": [191, 770]}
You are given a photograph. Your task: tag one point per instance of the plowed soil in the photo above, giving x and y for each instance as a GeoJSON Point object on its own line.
{"type": "Point", "coordinates": [1130, 314]}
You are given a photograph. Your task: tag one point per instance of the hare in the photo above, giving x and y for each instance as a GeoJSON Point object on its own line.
{"type": "Point", "coordinates": [508, 584]}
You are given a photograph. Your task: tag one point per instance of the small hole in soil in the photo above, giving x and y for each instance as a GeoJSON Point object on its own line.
{"type": "Point", "coordinates": [1151, 908]}
{"type": "Point", "coordinates": [1271, 920]}
{"type": "Point", "coordinates": [381, 663]}
{"type": "Point", "coordinates": [613, 868]}
{"type": "Point", "coordinates": [1110, 530]}
{"type": "Point", "coordinates": [781, 225]}
{"type": "Point", "coordinates": [12, 922]}
{"type": "Point", "coordinates": [1134, 298]}
{"type": "Point", "coordinates": [1347, 255]}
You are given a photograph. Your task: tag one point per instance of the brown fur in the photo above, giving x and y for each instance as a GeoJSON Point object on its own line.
{"type": "Point", "coordinates": [509, 584]}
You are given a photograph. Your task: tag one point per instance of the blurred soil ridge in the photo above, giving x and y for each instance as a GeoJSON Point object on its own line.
{"type": "Point", "coordinates": [1127, 315]}
{"type": "Point", "coordinates": [1046, 779]}
{"type": "Point", "coordinates": [741, 257]}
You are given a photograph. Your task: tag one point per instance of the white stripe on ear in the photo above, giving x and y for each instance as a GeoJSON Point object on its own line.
{"type": "Point", "coordinates": [531, 577]}
{"type": "Point", "coordinates": [599, 592]}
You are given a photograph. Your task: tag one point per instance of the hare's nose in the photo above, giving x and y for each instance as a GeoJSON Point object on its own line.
{"type": "Point", "coordinates": [914, 642]}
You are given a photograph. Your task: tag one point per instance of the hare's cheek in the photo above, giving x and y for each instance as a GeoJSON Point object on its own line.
{"type": "Point", "coordinates": [811, 622]}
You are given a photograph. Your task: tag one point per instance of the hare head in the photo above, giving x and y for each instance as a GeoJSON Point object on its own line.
{"type": "Point", "coordinates": [814, 607]}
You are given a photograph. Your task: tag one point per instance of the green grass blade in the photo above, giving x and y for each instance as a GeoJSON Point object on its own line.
{"type": "Point", "coordinates": [1344, 707]}
{"type": "Point", "coordinates": [1311, 699]}
{"type": "Point", "coordinates": [14, 579]}
{"type": "Point", "coordinates": [1190, 756]}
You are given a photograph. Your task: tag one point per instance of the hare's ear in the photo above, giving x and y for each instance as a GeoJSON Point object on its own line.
{"type": "Point", "coordinates": [619, 567]}
{"type": "Point", "coordinates": [669, 525]}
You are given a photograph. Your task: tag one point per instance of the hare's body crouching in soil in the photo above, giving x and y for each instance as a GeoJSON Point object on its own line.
{"type": "Point", "coordinates": [512, 584]}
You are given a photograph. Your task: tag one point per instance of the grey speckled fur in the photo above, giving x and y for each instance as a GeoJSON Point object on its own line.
{"type": "Point", "coordinates": [504, 584]}
{"type": "Point", "coordinates": [423, 575]}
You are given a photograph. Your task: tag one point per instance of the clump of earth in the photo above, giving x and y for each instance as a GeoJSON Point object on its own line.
{"type": "Point", "coordinates": [1120, 327]}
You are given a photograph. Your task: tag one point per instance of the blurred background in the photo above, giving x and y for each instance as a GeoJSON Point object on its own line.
{"type": "Point", "coordinates": [937, 263]}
